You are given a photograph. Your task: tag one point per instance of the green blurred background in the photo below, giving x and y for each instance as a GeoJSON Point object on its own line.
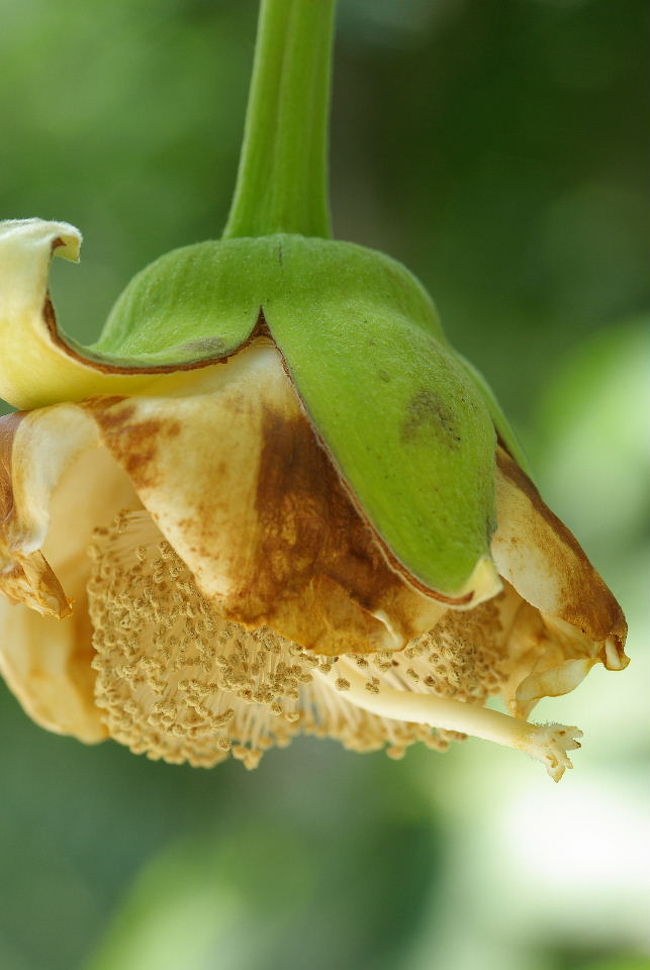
{"type": "Point", "coordinates": [497, 147]}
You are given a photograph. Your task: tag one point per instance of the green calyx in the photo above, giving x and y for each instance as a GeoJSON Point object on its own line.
{"type": "Point", "coordinates": [408, 424]}
{"type": "Point", "coordinates": [405, 423]}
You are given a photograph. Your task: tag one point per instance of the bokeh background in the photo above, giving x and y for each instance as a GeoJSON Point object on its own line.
{"type": "Point", "coordinates": [497, 147]}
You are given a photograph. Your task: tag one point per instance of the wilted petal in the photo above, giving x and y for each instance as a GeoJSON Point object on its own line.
{"type": "Point", "coordinates": [46, 663]}
{"type": "Point", "coordinates": [543, 561]}
{"type": "Point", "coordinates": [57, 485]}
{"type": "Point", "coordinates": [25, 576]}
{"type": "Point", "coordinates": [35, 451]}
{"type": "Point", "coordinates": [553, 682]}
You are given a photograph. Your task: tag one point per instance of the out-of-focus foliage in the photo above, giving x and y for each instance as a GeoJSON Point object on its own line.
{"type": "Point", "coordinates": [497, 148]}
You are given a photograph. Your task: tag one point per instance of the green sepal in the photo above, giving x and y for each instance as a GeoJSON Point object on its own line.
{"type": "Point", "coordinates": [191, 304]}
{"type": "Point", "coordinates": [406, 424]}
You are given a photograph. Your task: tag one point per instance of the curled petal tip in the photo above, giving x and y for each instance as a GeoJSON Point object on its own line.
{"type": "Point", "coordinates": [60, 238]}
{"type": "Point", "coordinates": [613, 654]}
{"type": "Point", "coordinates": [28, 579]}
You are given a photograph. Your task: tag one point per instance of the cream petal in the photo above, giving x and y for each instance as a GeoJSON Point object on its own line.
{"type": "Point", "coordinates": [46, 663]}
{"type": "Point", "coordinates": [542, 560]}
{"type": "Point", "coordinates": [540, 661]}
{"type": "Point", "coordinates": [37, 370]}
{"type": "Point", "coordinates": [554, 682]}
{"type": "Point", "coordinates": [237, 482]}
{"type": "Point", "coordinates": [35, 450]}
{"type": "Point", "coordinates": [57, 486]}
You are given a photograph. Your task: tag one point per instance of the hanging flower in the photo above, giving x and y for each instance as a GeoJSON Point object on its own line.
{"type": "Point", "coordinates": [272, 499]}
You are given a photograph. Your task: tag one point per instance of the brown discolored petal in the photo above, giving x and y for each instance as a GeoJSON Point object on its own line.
{"type": "Point", "coordinates": [539, 556]}
{"type": "Point", "coordinates": [237, 482]}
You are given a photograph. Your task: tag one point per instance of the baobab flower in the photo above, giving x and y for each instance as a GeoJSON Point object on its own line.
{"type": "Point", "coordinates": [272, 499]}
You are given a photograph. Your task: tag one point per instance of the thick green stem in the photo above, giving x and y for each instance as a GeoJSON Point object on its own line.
{"type": "Point", "coordinates": [282, 182]}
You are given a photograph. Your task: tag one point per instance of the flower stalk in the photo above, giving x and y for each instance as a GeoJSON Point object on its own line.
{"type": "Point", "coordinates": [282, 184]}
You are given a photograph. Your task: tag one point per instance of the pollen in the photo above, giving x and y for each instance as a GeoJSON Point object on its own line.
{"type": "Point", "coordinates": [463, 657]}
{"type": "Point", "coordinates": [174, 679]}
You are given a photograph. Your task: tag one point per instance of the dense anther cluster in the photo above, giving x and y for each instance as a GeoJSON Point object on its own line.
{"type": "Point", "coordinates": [177, 681]}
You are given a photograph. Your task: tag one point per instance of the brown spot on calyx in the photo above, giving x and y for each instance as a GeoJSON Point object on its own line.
{"type": "Point", "coordinates": [214, 347]}
{"type": "Point", "coordinates": [587, 602]}
{"type": "Point", "coordinates": [429, 413]}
